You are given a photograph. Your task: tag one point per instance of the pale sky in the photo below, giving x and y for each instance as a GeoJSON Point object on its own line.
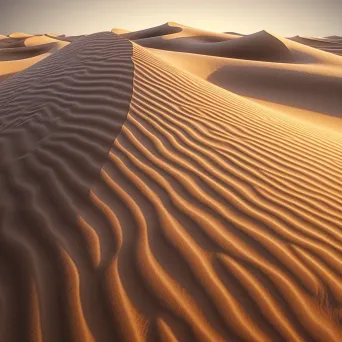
{"type": "Point", "coordinates": [282, 17]}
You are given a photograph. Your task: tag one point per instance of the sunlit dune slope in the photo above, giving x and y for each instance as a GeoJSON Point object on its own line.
{"type": "Point", "coordinates": [146, 197]}
{"type": "Point", "coordinates": [311, 87]}
{"type": "Point", "coordinates": [213, 188]}
{"type": "Point", "coordinates": [308, 86]}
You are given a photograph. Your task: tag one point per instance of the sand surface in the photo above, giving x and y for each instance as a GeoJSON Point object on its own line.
{"type": "Point", "coordinates": [170, 184]}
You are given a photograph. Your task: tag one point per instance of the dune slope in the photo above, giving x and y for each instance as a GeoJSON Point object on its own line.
{"type": "Point", "coordinates": [58, 120]}
{"type": "Point", "coordinates": [20, 52]}
{"type": "Point", "coordinates": [220, 204]}
{"type": "Point", "coordinates": [307, 87]}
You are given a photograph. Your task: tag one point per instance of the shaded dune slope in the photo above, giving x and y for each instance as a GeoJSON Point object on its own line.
{"type": "Point", "coordinates": [58, 120]}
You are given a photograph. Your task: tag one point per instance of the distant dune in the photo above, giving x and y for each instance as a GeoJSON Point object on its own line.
{"type": "Point", "coordinates": [331, 44]}
{"type": "Point", "coordinates": [170, 184]}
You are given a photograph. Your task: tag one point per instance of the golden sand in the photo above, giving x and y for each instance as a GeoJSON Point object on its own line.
{"type": "Point", "coordinates": [170, 184]}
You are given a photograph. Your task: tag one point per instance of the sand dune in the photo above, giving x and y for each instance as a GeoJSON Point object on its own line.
{"type": "Point", "coordinates": [171, 30]}
{"type": "Point", "coordinates": [331, 44]}
{"type": "Point", "coordinates": [311, 87]}
{"type": "Point", "coordinates": [25, 52]}
{"type": "Point", "coordinates": [21, 51]}
{"type": "Point", "coordinates": [155, 195]}
{"type": "Point", "coordinates": [308, 87]}
{"type": "Point", "coordinates": [259, 46]}
{"type": "Point", "coordinates": [119, 31]}
{"type": "Point", "coordinates": [334, 37]}
{"type": "Point", "coordinates": [19, 35]}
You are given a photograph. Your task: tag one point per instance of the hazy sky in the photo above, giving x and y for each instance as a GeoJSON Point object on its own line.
{"type": "Point", "coordinates": [282, 17]}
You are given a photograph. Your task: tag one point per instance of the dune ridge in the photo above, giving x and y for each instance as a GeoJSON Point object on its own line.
{"type": "Point", "coordinates": [142, 202]}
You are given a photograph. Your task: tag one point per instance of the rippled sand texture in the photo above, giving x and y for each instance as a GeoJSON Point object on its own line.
{"type": "Point", "coordinates": [143, 200]}
{"type": "Point", "coordinates": [58, 121]}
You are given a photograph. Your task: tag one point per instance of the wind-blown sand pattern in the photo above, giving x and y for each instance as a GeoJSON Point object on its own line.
{"type": "Point", "coordinates": [58, 121]}
{"type": "Point", "coordinates": [143, 199]}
